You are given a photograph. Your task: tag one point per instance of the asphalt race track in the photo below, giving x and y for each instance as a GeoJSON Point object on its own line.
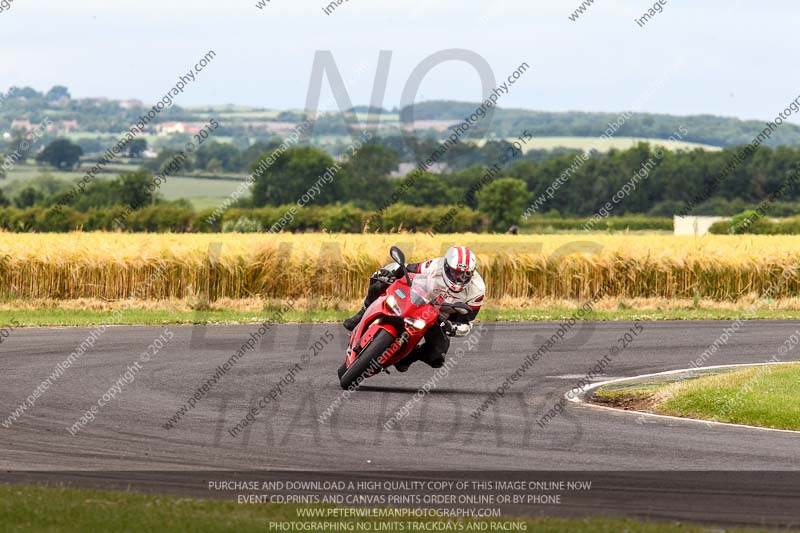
{"type": "Point", "coordinates": [438, 434]}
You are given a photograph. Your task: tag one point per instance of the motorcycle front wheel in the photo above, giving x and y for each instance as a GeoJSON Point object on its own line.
{"type": "Point", "coordinates": [367, 362]}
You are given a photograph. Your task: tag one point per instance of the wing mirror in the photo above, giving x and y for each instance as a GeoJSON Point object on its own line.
{"type": "Point", "coordinates": [400, 258]}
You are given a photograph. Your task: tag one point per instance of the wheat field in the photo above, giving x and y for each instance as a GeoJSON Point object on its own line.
{"type": "Point", "coordinates": [116, 266]}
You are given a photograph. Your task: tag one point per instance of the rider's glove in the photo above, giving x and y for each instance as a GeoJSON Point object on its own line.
{"type": "Point", "coordinates": [456, 330]}
{"type": "Point", "coordinates": [386, 276]}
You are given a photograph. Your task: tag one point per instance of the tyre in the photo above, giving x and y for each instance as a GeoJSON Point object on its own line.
{"type": "Point", "coordinates": [368, 358]}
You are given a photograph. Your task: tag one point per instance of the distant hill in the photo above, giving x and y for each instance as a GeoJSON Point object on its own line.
{"type": "Point", "coordinates": [25, 107]}
{"type": "Point", "coordinates": [704, 129]}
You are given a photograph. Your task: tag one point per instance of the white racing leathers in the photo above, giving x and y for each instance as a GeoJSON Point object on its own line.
{"type": "Point", "coordinates": [473, 294]}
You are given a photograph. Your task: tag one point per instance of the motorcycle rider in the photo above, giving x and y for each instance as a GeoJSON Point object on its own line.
{"type": "Point", "coordinates": [464, 284]}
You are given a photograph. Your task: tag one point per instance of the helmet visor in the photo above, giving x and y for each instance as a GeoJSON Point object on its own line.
{"type": "Point", "coordinates": [458, 276]}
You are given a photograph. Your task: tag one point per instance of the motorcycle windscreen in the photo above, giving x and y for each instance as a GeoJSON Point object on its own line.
{"type": "Point", "coordinates": [425, 289]}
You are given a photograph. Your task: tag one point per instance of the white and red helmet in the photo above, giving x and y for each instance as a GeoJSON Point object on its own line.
{"type": "Point", "coordinates": [459, 266]}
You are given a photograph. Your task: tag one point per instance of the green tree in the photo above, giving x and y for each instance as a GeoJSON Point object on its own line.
{"type": "Point", "coordinates": [226, 154]}
{"type": "Point", "coordinates": [460, 184]}
{"type": "Point", "coordinates": [19, 145]}
{"type": "Point", "coordinates": [251, 154]}
{"type": "Point", "coordinates": [429, 189]}
{"type": "Point", "coordinates": [373, 161]}
{"type": "Point", "coordinates": [134, 190]}
{"type": "Point", "coordinates": [214, 166]}
{"type": "Point", "coordinates": [57, 93]}
{"type": "Point", "coordinates": [28, 197]}
{"type": "Point", "coordinates": [26, 92]}
{"type": "Point", "coordinates": [62, 154]}
{"type": "Point", "coordinates": [46, 183]}
{"type": "Point", "coordinates": [3, 200]}
{"type": "Point", "coordinates": [136, 147]}
{"type": "Point", "coordinates": [100, 193]}
{"type": "Point", "coordinates": [504, 201]}
{"type": "Point", "coordinates": [292, 174]}
{"type": "Point", "coordinates": [166, 161]}
{"type": "Point", "coordinates": [365, 177]}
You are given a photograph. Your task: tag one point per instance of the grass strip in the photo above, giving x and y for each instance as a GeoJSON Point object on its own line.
{"type": "Point", "coordinates": [42, 509]}
{"type": "Point", "coordinates": [89, 317]}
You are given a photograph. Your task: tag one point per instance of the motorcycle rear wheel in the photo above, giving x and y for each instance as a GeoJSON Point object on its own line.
{"type": "Point", "coordinates": [354, 376]}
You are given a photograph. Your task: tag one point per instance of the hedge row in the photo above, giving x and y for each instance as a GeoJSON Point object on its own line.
{"type": "Point", "coordinates": [339, 219]}
{"type": "Point", "coordinates": [753, 223]}
{"type": "Point", "coordinates": [546, 224]}
{"type": "Point", "coordinates": [174, 219]}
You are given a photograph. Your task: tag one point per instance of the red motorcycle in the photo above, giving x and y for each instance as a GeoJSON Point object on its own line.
{"type": "Point", "coordinates": [395, 323]}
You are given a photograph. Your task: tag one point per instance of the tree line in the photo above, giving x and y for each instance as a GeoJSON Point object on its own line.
{"type": "Point", "coordinates": [363, 181]}
{"type": "Point", "coordinates": [672, 179]}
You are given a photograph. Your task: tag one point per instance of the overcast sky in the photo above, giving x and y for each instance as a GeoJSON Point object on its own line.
{"type": "Point", "coordinates": [726, 57]}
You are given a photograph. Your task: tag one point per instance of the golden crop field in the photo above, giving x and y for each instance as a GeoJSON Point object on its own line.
{"type": "Point", "coordinates": [115, 266]}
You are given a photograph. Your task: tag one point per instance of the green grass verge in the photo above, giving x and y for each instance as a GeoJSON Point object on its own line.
{"type": "Point", "coordinates": [71, 317]}
{"type": "Point", "coordinates": [646, 388]}
{"type": "Point", "coordinates": [763, 396]}
{"type": "Point", "coordinates": [759, 396]}
{"type": "Point", "coordinates": [38, 509]}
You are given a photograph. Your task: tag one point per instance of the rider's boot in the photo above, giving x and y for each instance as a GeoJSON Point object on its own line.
{"type": "Point", "coordinates": [351, 323]}
{"type": "Point", "coordinates": [407, 361]}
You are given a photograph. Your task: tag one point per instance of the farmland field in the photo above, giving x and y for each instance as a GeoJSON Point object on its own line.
{"type": "Point", "coordinates": [233, 111]}
{"type": "Point", "coordinates": [604, 145]}
{"type": "Point", "coordinates": [200, 192]}
{"type": "Point", "coordinates": [28, 172]}
{"type": "Point", "coordinates": [110, 138]}
{"type": "Point", "coordinates": [565, 266]}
